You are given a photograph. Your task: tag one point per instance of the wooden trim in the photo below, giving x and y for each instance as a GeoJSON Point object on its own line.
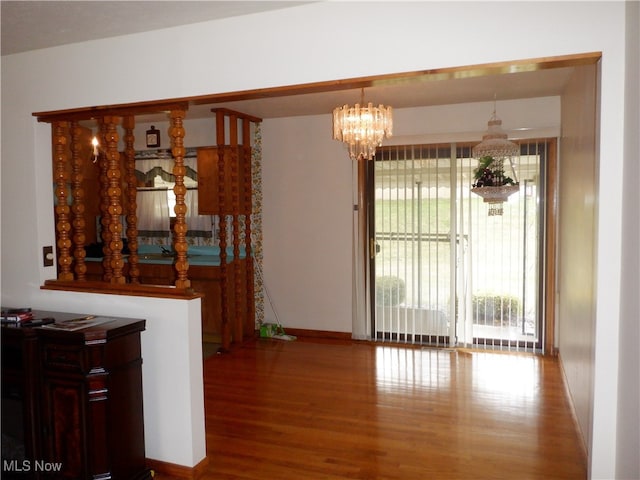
{"type": "Point", "coordinates": [300, 332]}
{"type": "Point", "coordinates": [134, 290]}
{"type": "Point", "coordinates": [584, 450]}
{"type": "Point", "coordinates": [468, 71]}
{"type": "Point", "coordinates": [244, 116]}
{"type": "Point", "coordinates": [120, 110]}
{"type": "Point", "coordinates": [178, 471]}
{"type": "Point", "coordinates": [551, 238]}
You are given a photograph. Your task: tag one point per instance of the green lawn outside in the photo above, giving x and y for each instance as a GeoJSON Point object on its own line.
{"type": "Point", "coordinates": [494, 253]}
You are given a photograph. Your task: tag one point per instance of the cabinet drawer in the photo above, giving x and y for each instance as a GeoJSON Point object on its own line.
{"type": "Point", "coordinates": [64, 357]}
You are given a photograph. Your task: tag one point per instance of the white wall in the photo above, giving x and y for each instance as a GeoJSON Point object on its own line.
{"type": "Point", "coordinates": [295, 46]}
{"type": "Point", "coordinates": [628, 441]}
{"type": "Point", "coordinates": [307, 212]}
{"type": "Point", "coordinates": [173, 392]}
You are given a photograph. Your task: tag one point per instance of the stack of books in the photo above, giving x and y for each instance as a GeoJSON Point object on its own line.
{"type": "Point", "coordinates": [16, 316]}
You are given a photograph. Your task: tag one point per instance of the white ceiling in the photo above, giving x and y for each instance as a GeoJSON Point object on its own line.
{"type": "Point", "coordinates": [30, 25]}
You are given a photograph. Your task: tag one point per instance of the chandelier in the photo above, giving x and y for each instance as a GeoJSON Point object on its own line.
{"type": "Point", "coordinates": [491, 182]}
{"type": "Point", "coordinates": [362, 128]}
{"type": "Point", "coordinates": [494, 141]}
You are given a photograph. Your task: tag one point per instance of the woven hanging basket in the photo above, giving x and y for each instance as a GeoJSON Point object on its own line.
{"type": "Point", "coordinates": [495, 194]}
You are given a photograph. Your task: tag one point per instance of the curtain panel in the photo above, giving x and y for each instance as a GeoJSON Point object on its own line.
{"type": "Point", "coordinates": [155, 199]}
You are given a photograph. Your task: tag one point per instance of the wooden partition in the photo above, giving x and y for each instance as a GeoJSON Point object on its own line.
{"type": "Point", "coordinates": [103, 179]}
{"type": "Point", "coordinates": [224, 189]}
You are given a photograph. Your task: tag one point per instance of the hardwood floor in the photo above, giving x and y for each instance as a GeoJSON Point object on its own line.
{"type": "Point", "coordinates": [329, 410]}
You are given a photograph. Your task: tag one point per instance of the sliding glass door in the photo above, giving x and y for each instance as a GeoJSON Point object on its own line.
{"type": "Point", "coordinates": [445, 272]}
{"type": "Point", "coordinates": [413, 275]}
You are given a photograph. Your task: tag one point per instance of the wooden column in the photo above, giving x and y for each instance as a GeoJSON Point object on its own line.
{"type": "Point", "coordinates": [551, 241]}
{"type": "Point", "coordinates": [234, 199]}
{"type": "Point", "coordinates": [222, 209]}
{"type": "Point", "coordinates": [77, 206]}
{"type": "Point", "coordinates": [114, 192]}
{"type": "Point", "coordinates": [105, 220]}
{"type": "Point", "coordinates": [246, 166]}
{"type": "Point", "coordinates": [238, 325]}
{"type": "Point", "coordinates": [128, 124]}
{"type": "Point", "coordinates": [176, 134]}
{"type": "Point", "coordinates": [61, 177]}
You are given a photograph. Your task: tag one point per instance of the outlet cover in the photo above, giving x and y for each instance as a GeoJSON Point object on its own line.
{"type": "Point", "coordinates": [47, 255]}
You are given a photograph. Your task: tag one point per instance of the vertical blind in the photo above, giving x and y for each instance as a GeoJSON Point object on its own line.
{"type": "Point", "coordinates": [447, 273]}
{"type": "Point", "coordinates": [413, 238]}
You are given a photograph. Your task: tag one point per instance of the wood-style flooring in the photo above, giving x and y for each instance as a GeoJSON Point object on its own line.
{"type": "Point", "coordinates": [312, 409]}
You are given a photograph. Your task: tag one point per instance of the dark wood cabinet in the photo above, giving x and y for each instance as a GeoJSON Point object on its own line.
{"type": "Point", "coordinates": [85, 402]}
{"type": "Point", "coordinates": [20, 397]}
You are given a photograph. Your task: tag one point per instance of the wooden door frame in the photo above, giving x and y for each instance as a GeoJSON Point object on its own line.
{"type": "Point", "coordinates": [550, 248]}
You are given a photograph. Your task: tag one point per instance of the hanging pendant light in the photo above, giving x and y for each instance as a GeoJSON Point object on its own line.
{"type": "Point", "coordinates": [362, 127]}
{"type": "Point", "coordinates": [491, 182]}
{"type": "Point", "coordinates": [494, 142]}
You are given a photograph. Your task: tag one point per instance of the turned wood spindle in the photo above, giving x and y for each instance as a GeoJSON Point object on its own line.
{"type": "Point", "coordinates": [222, 216]}
{"type": "Point", "coordinates": [128, 123]}
{"type": "Point", "coordinates": [63, 226]}
{"type": "Point", "coordinates": [105, 221]}
{"type": "Point", "coordinates": [77, 205]}
{"type": "Point", "coordinates": [114, 192]}
{"type": "Point", "coordinates": [176, 134]}
{"type": "Point", "coordinates": [234, 160]}
{"type": "Point", "coordinates": [246, 167]}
